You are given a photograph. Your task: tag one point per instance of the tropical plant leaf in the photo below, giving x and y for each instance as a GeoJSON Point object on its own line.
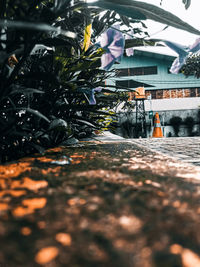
{"type": "Point", "coordinates": [39, 76]}
{"type": "Point", "coordinates": [35, 27]}
{"type": "Point", "coordinates": [38, 148]}
{"type": "Point", "coordinates": [60, 7]}
{"type": "Point", "coordinates": [36, 113]}
{"type": "Point", "coordinates": [86, 123]}
{"type": "Point", "coordinates": [29, 110]}
{"type": "Point", "coordinates": [26, 91]}
{"type": "Point", "coordinates": [141, 10]}
{"type": "Point", "coordinates": [120, 9]}
{"type": "Point", "coordinates": [186, 3]}
{"type": "Point", "coordinates": [58, 124]}
{"type": "Point", "coordinates": [125, 20]}
{"type": "Point", "coordinates": [138, 42]}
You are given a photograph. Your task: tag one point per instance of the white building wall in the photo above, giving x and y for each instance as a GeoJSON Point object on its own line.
{"type": "Point", "coordinates": [172, 104]}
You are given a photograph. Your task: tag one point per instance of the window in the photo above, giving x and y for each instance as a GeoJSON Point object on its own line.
{"type": "Point", "coordinates": [153, 94]}
{"type": "Point", "coordinates": [198, 92]}
{"type": "Point", "coordinates": [159, 94]}
{"type": "Point", "coordinates": [137, 71]}
{"type": "Point", "coordinates": [126, 84]}
{"type": "Point", "coordinates": [131, 84]}
{"type": "Point", "coordinates": [144, 71]}
{"type": "Point", "coordinates": [193, 92]}
{"type": "Point", "coordinates": [122, 72]}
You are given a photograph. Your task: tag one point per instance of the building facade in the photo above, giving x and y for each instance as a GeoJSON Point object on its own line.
{"type": "Point", "coordinates": [169, 94]}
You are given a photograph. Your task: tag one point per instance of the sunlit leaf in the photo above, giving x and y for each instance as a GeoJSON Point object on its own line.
{"type": "Point", "coordinates": [36, 113]}
{"type": "Point", "coordinates": [141, 10]}
{"type": "Point", "coordinates": [86, 123]}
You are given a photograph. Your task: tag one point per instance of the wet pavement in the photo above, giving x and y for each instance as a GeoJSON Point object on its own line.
{"type": "Point", "coordinates": [103, 202]}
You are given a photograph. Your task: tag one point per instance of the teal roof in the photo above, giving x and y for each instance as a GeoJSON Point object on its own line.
{"type": "Point", "coordinates": [155, 51]}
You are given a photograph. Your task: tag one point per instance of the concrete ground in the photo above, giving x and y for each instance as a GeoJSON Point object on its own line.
{"type": "Point", "coordinates": [186, 149]}
{"type": "Point", "coordinates": [105, 202]}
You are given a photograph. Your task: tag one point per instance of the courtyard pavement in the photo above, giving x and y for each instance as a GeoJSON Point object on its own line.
{"type": "Point", "coordinates": [186, 149]}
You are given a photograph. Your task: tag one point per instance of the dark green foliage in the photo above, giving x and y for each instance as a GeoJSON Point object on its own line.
{"type": "Point", "coordinates": [176, 123]}
{"type": "Point", "coordinates": [192, 66]}
{"type": "Point", "coordinates": [189, 122]}
{"type": "Point", "coordinates": [44, 92]}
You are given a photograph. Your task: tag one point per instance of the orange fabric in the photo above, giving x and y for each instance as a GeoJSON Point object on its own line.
{"type": "Point", "coordinates": [140, 92]}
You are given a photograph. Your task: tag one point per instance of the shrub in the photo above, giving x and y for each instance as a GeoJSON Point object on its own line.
{"type": "Point", "coordinates": [47, 78]}
{"type": "Point", "coordinates": [189, 122]}
{"type": "Point", "coordinates": [176, 122]}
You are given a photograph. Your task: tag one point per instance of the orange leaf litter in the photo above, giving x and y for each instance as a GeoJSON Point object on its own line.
{"type": "Point", "coordinates": [64, 239]}
{"type": "Point", "coordinates": [2, 184]}
{"type": "Point", "coordinates": [14, 170]}
{"type": "Point", "coordinates": [44, 159]}
{"type": "Point", "coordinates": [35, 203]}
{"type": "Point", "coordinates": [30, 184]}
{"type": "Point", "coordinates": [14, 193]}
{"type": "Point", "coordinates": [21, 211]}
{"type": "Point", "coordinates": [41, 224]}
{"type": "Point", "coordinates": [46, 255]}
{"type": "Point", "coordinates": [51, 170]}
{"type": "Point", "coordinates": [3, 206]}
{"type": "Point", "coordinates": [26, 231]}
{"type": "Point", "coordinates": [56, 149]}
{"type": "Point", "coordinates": [31, 204]}
{"type": "Point", "coordinates": [189, 258]}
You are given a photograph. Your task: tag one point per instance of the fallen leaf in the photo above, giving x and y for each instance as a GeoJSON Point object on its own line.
{"type": "Point", "coordinates": [21, 211]}
{"type": "Point", "coordinates": [44, 159]}
{"type": "Point", "coordinates": [64, 239]}
{"type": "Point", "coordinates": [3, 206]}
{"type": "Point", "coordinates": [176, 249]}
{"type": "Point", "coordinates": [2, 184]}
{"type": "Point", "coordinates": [51, 170]}
{"type": "Point", "coordinates": [35, 203]}
{"type": "Point", "coordinates": [41, 224]}
{"type": "Point", "coordinates": [189, 258]}
{"type": "Point", "coordinates": [30, 184]}
{"type": "Point", "coordinates": [14, 193]}
{"type": "Point", "coordinates": [26, 231]}
{"type": "Point", "coordinates": [14, 170]}
{"type": "Point", "coordinates": [46, 255]}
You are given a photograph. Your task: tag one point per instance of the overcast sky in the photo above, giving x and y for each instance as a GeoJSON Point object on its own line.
{"type": "Point", "coordinates": [176, 7]}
